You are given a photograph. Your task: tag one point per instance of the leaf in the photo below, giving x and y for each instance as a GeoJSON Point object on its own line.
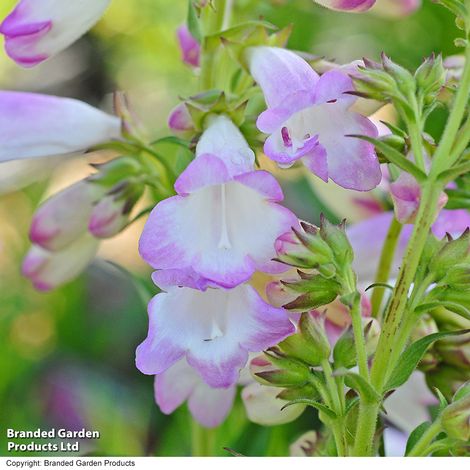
{"type": "Point", "coordinates": [416, 435]}
{"type": "Point", "coordinates": [412, 355]}
{"type": "Point", "coordinates": [442, 399]}
{"type": "Point", "coordinates": [394, 156]}
{"type": "Point", "coordinates": [379, 284]}
{"type": "Point", "coordinates": [351, 404]}
{"type": "Point", "coordinates": [358, 383]}
{"type": "Point", "coordinates": [315, 404]}
{"type": "Point", "coordinates": [171, 139]}
{"type": "Point", "coordinates": [193, 22]}
{"type": "Point", "coordinates": [452, 306]}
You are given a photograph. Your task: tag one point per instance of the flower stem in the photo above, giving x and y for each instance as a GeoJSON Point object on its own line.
{"type": "Point", "coordinates": [202, 440]}
{"type": "Point", "coordinates": [365, 431]}
{"type": "Point", "coordinates": [359, 341]}
{"type": "Point", "coordinates": [420, 449]}
{"type": "Point", "coordinates": [385, 264]}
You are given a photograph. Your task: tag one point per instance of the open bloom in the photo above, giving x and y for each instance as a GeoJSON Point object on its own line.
{"type": "Point", "coordinates": [214, 330]}
{"type": "Point", "coordinates": [308, 119]}
{"type": "Point", "coordinates": [38, 29]}
{"type": "Point", "coordinates": [209, 406]}
{"type": "Point", "coordinates": [34, 125]}
{"type": "Point", "coordinates": [48, 270]}
{"type": "Point", "coordinates": [224, 221]}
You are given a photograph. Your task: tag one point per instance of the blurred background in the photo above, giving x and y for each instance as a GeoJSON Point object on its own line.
{"type": "Point", "coordinates": [67, 357]}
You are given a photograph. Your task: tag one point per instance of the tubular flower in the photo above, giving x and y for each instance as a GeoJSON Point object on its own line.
{"type": "Point", "coordinates": [48, 270]}
{"type": "Point", "coordinates": [190, 49]}
{"type": "Point", "coordinates": [209, 406]}
{"type": "Point", "coordinates": [66, 126]}
{"type": "Point", "coordinates": [233, 207]}
{"type": "Point", "coordinates": [38, 29]}
{"type": "Point", "coordinates": [214, 330]}
{"type": "Point", "coordinates": [308, 119]}
{"type": "Point", "coordinates": [347, 5]}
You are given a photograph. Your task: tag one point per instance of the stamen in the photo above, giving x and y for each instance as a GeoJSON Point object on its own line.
{"type": "Point", "coordinates": [286, 137]}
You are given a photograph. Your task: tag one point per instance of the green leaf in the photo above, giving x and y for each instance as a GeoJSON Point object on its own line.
{"type": "Point", "coordinates": [394, 156]}
{"type": "Point", "coordinates": [416, 435]}
{"type": "Point", "coordinates": [171, 139]}
{"type": "Point", "coordinates": [193, 22]}
{"type": "Point", "coordinates": [379, 284]}
{"type": "Point", "coordinates": [452, 306]}
{"type": "Point", "coordinates": [315, 404]}
{"type": "Point", "coordinates": [358, 383]}
{"type": "Point", "coordinates": [410, 358]}
{"type": "Point", "coordinates": [442, 399]}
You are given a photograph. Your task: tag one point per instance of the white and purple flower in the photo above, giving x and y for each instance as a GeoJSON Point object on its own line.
{"type": "Point", "coordinates": [38, 29]}
{"type": "Point", "coordinates": [224, 221]}
{"type": "Point", "coordinates": [213, 329]}
{"type": "Point", "coordinates": [308, 119]}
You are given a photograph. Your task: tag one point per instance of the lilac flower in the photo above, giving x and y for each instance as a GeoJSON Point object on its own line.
{"type": "Point", "coordinates": [213, 329]}
{"type": "Point", "coordinates": [209, 406]}
{"type": "Point", "coordinates": [190, 48]}
{"type": "Point", "coordinates": [347, 5]}
{"type": "Point", "coordinates": [308, 119]}
{"type": "Point", "coordinates": [224, 221]}
{"type": "Point", "coordinates": [406, 195]}
{"type": "Point", "coordinates": [38, 29]}
{"type": "Point", "coordinates": [48, 270]}
{"type": "Point", "coordinates": [34, 125]}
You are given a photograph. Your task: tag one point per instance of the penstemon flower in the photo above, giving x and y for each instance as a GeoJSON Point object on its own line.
{"type": "Point", "coordinates": [66, 126]}
{"type": "Point", "coordinates": [190, 48]}
{"type": "Point", "coordinates": [38, 29]}
{"type": "Point", "coordinates": [224, 221]}
{"type": "Point", "coordinates": [308, 119]}
{"type": "Point", "coordinates": [180, 383]}
{"type": "Point", "coordinates": [214, 330]}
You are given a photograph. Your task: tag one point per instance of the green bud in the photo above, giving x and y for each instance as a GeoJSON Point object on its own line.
{"type": "Point", "coordinates": [452, 253]}
{"type": "Point", "coordinates": [344, 352]}
{"type": "Point", "coordinates": [315, 291]}
{"type": "Point", "coordinates": [455, 350]}
{"type": "Point", "coordinates": [430, 78]}
{"type": "Point", "coordinates": [458, 276]}
{"type": "Point", "coordinates": [279, 370]}
{"type": "Point", "coordinates": [336, 238]}
{"type": "Point", "coordinates": [295, 393]}
{"type": "Point", "coordinates": [310, 344]}
{"type": "Point", "coordinates": [403, 78]}
{"type": "Point", "coordinates": [116, 171]}
{"type": "Point", "coordinates": [456, 417]}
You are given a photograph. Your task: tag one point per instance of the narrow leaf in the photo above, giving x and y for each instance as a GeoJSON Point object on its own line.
{"type": "Point", "coordinates": [410, 358]}
{"type": "Point", "coordinates": [416, 435]}
{"type": "Point", "coordinates": [315, 404]}
{"type": "Point", "coordinates": [358, 383]}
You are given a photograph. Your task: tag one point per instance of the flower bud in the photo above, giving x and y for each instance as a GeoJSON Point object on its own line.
{"type": "Point", "coordinates": [371, 334]}
{"type": "Point", "coordinates": [336, 238]}
{"type": "Point", "coordinates": [111, 214]}
{"type": "Point", "coordinates": [190, 48]}
{"type": "Point", "coordinates": [456, 417]}
{"type": "Point", "coordinates": [305, 445]}
{"type": "Point", "coordinates": [48, 270]}
{"type": "Point", "coordinates": [279, 370]}
{"type": "Point", "coordinates": [115, 171]}
{"type": "Point", "coordinates": [263, 407]}
{"type": "Point", "coordinates": [64, 217]}
{"type": "Point", "coordinates": [455, 350]}
{"type": "Point", "coordinates": [430, 78]}
{"type": "Point", "coordinates": [454, 66]}
{"type": "Point", "coordinates": [452, 253]}
{"type": "Point", "coordinates": [310, 344]}
{"type": "Point", "coordinates": [180, 120]}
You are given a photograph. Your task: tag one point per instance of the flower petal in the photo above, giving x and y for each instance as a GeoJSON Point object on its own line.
{"type": "Point", "coordinates": [190, 48]}
{"type": "Point", "coordinates": [38, 29]}
{"type": "Point", "coordinates": [347, 5]}
{"type": "Point", "coordinates": [34, 125]}
{"type": "Point", "coordinates": [333, 86]}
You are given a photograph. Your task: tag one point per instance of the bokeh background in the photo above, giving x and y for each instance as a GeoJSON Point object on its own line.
{"type": "Point", "coordinates": [67, 357]}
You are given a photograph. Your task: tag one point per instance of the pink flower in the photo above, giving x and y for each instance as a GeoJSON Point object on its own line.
{"type": "Point", "coordinates": [190, 48]}
{"type": "Point", "coordinates": [213, 329]}
{"type": "Point", "coordinates": [224, 221]}
{"type": "Point", "coordinates": [308, 119]}
{"type": "Point", "coordinates": [34, 125]}
{"type": "Point", "coordinates": [38, 29]}
{"type": "Point", "coordinates": [209, 406]}
{"type": "Point", "coordinates": [180, 120]}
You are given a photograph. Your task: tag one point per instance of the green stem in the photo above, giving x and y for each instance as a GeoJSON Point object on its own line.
{"type": "Point", "coordinates": [385, 264]}
{"type": "Point", "coordinates": [202, 440]}
{"type": "Point", "coordinates": [443, 159]}
{"type": "Point", "coordinates": [420, 449]}
{"type": "Point", "coordinates": [415, 131]}
{"type": "Point", "coordinates": [359, 341]}
{"type": "Point", "coordinates": [332, 386]}
{"type": "Point", "coordinates": [365, 431]}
